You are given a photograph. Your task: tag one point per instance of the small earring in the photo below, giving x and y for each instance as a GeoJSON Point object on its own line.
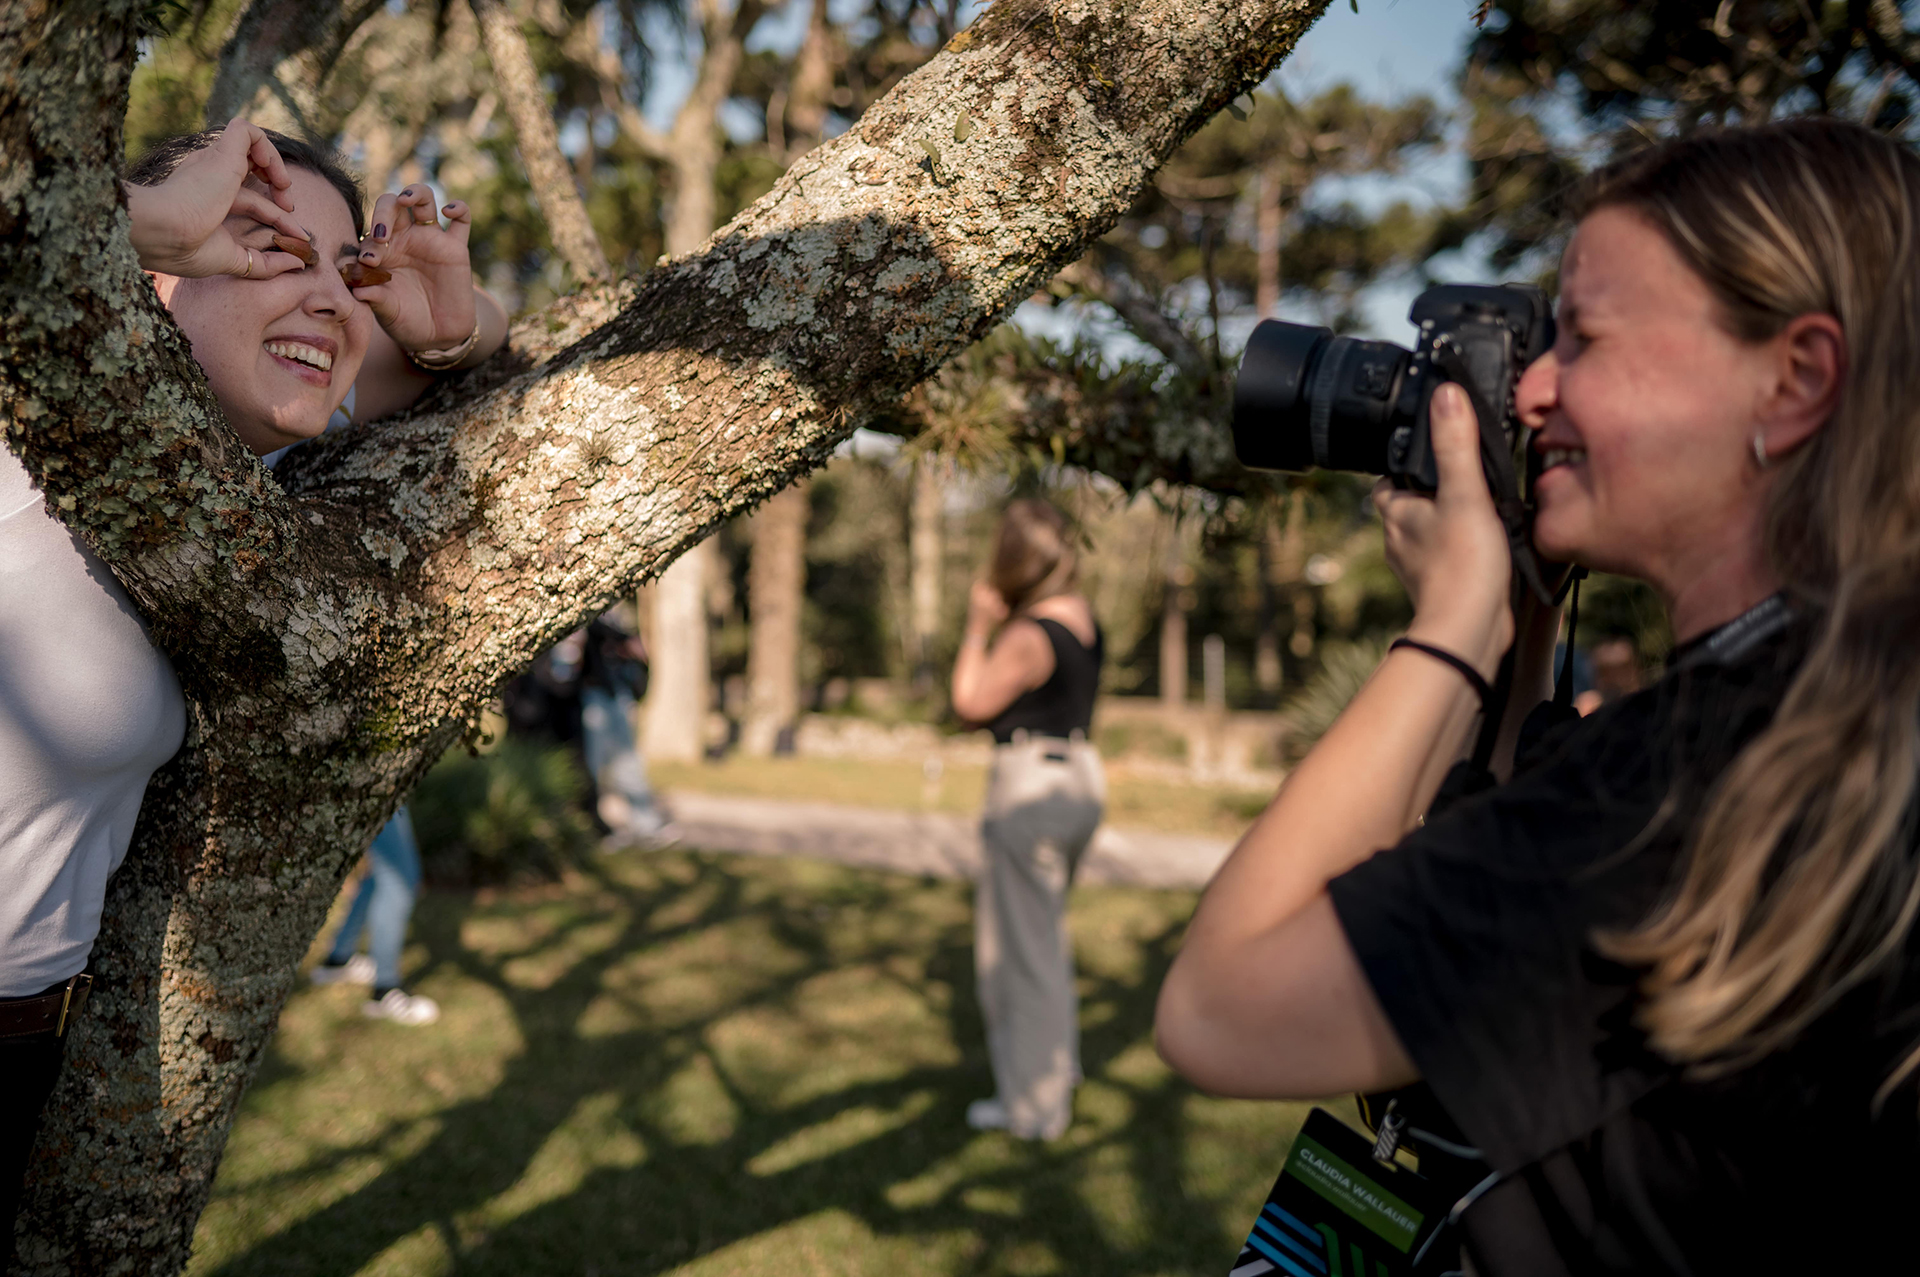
{"type": "Point", "coordinates": [1760, 449]}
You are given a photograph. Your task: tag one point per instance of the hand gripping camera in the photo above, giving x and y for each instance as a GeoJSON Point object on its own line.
{"type": "Point", "coordinates": [1307, 399]}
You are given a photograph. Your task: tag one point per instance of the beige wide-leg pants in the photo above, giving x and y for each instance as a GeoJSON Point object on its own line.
{"type": "Point", "coordinates": [1045, 797]}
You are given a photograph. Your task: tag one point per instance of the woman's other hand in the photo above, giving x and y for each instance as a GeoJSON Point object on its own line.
{"type": "Point", "coordinates": [428, 303]}
{"type": "Point", "coordinates": [987, 679]}
{"type": "Point", "coordinates": [181, 227]}
{"type": "Point", "coordinates": [986, 609]}
{"type": "Point", "coordinates": [1450, 550]}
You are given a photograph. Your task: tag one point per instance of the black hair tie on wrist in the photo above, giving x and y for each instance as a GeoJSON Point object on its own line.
{"type": "Point", "coordinates": [1472, 675]}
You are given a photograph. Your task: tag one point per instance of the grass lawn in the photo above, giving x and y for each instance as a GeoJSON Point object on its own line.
{"type": "Point", "coordinates": [713, 1065]}
{"type": "Point", "coordinates": [1132, 801]}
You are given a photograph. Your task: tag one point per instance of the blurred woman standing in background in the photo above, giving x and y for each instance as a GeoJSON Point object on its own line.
{"type": "Point", "coordinates": [1033, 684]}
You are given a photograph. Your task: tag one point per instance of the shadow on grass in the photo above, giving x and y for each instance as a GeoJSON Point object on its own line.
{"type": "Point", "coordinates": [730, 1019]}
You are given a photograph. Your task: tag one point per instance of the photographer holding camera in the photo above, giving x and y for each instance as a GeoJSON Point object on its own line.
{"type": "Point", "coordinates": [1662, 978]}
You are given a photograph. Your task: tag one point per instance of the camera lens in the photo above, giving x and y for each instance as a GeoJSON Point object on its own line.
{"type": "Point", "coordinates": [1307, 399]}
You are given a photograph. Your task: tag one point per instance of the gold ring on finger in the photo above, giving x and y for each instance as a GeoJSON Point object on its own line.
{"type": "Point", "coordinates": [249, 274]}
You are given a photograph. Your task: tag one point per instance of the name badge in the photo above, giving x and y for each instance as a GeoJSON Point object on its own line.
{"type": "Point", "coordinates": [1337, 1211]}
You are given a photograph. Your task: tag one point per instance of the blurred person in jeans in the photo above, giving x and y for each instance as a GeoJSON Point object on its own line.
{"type": "Point", "coordinates": [613, 677]}
{"type": "Point", "coordinates": [382, 906]}
{"type": "Point", "coordinates": [1033, 683]}
{"type": "Point", "coordinates": [581, 693]}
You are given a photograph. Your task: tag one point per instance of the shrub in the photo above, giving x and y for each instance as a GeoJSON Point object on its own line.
{"type": "Point", "coordinates": [1344, 667]}
{"type": "Point", "coordinates": [516, 811]}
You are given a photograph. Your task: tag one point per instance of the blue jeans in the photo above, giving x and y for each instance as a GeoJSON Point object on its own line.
{"type": "Point", "coordinates": [606, 730]}
{"type": "Point", "coordinates": [385, 899]}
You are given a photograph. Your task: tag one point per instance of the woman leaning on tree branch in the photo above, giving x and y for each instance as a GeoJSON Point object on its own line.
{"type": "Point", "coordinates": [1664, 977]}
{"type": "Point", "coordinates": [258, 246]}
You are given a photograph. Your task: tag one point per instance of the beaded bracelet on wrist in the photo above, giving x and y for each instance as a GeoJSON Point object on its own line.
{"type": "Point", "coordinates": [449, 358]}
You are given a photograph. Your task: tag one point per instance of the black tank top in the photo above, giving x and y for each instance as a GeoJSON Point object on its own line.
{"type": "Point", "coordinates": [1064, 703]}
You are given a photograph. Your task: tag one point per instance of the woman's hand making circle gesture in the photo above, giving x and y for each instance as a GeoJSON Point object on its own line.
{"type": "Point", "coordinates": [181, 227]}
{"type": "Point", "coordinates": [425, 300]}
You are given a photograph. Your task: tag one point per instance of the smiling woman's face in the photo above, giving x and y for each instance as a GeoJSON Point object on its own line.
{"type": "Point", "coordinates": [280, 353]}
{"type": "Point", "coordinates": [1644, 410]}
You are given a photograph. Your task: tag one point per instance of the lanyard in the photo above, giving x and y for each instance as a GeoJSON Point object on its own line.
{"type": "Point", "coordinates": [1737, 638]}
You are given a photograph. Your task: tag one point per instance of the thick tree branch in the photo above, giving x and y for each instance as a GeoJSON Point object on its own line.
{"type": "Point", "coordinates": [332, 637]}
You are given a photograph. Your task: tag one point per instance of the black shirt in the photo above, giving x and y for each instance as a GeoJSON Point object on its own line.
{"type": "Point", "coordinates": [1063, 704]}
{"type": "Point", "coordinates": [1475, 934]}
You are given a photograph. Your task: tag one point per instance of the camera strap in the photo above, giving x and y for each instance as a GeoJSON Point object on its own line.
{"type": "Point", "coordinates": [1563, 685]}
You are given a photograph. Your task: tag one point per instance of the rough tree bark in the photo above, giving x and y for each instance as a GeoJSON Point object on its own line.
{"type": "Point", "coordinates": [561, 207]}
{"type": "Point", "coordinates": [335, 628]}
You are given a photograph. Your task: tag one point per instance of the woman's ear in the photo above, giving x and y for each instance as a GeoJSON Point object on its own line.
{"type": "Point", "coordinates": [1810, 363]}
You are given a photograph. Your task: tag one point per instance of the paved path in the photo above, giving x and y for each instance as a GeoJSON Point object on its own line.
{"type": "Point", "coordinates": [934, 845]}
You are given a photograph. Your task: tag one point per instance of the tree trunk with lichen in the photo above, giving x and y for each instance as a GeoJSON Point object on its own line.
{"type": "Point", "coordinates": [336, 628]}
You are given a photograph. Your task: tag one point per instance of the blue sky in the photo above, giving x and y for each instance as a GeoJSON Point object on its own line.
{"type": "Point", "coordinates": [1389, 49]}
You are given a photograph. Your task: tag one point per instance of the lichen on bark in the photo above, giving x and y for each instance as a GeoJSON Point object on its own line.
{"type": "Point", "coordinates": [336, 626]}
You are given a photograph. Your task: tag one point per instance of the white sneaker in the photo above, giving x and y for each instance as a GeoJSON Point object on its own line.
{"type": "Point", "coordinates": [355, 970]}
{"type": "Point", "coordinates": [992, 1115]}
{"type": "Point", "coordinates": [402, 1008]}
{"type": "Point", "coordinates": [988, 1115]}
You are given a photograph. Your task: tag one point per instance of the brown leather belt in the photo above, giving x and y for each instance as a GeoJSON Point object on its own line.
{"type": "Point", "coordinates": [49, 1012]}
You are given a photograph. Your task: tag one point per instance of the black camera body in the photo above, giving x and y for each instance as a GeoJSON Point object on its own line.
{"type": "Point", "coordinates": [1306, 398]}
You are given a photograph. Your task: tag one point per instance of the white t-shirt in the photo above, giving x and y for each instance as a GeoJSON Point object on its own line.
{"type": "Point", "coordinates": [89, 708]}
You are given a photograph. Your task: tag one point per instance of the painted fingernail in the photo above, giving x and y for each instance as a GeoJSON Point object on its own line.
{"type": "Point", "coordinates": [448, 210]}
{"type": "Point", "coordinates": [380, 230]}
{"type": "Point", "coordinates": [369, 254]}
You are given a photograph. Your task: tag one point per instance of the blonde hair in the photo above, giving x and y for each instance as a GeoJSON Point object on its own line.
{"type": "Point", "coordinates": [1033, 556]}
{"type": "Point", "coordinates": [1799, 882]}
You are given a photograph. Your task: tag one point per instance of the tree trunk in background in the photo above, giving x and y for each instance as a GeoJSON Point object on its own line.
{"type": "Point", "coordinates": [526, 101]}
{"type": "Point", "coordinates": [1173, 649]}
{"type": "Point", "coordinates": [776, 593]}
{"type": "Point", "coordinates": [1269, 675]}
{"type": "Point", "coordinates": [928, 563]}
{"type": "Point", "coordinates": [1283, 564]}
{"type": "Point", "coordinates": [1285, 555]}
{"type": "Point", "coordinates": [1176, 601]}
{"type": "Point", "coordinates": [1267, 224]}
{"type": "Point", "coordinates": [338, 625]}
{"type": "Point", "coordinates": [680, 693]}
{"type": "Point", "coordinates": [776, 587]}
{"type": "Point", "coordinates": [274, 64]}
{"type": "Point", "coordinates": [813, 70]}
{"type": "Point", "coordinates": [680, 680]}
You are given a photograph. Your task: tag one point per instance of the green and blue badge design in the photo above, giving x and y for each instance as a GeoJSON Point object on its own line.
{"type": "Point", "coordinates": [1336, 1212]}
